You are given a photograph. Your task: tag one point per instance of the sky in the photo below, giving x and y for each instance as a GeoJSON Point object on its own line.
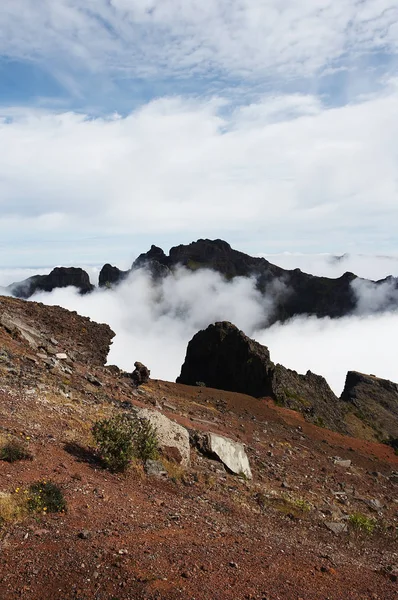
{"type": "Point", "coordinates": [272, 124]}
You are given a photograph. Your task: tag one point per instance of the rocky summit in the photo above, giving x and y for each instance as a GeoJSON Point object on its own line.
{"type": "Point", "coordinates": [60, 277]}
{"type": "Point", "coordinates": [228, 495]}
{"type": "Point", "coordinates": [293, 292]}
{"type": "Point", "coordinates": [223, 357]}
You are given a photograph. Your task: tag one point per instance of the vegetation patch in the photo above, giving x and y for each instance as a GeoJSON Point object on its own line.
{"type": "Point", "coordinates": [45, 496]}
{"type": "Point", "coordinates": [122, 438]}
{"type": "Point", "coordinates": [361, 522]}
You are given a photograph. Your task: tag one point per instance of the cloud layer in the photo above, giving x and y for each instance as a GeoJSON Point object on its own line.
{"type": "Point", "coordinates": [238, 37]}
{"type": "Point", "coordinates": [154, 324]}
{"type": "Point", "coordinates": [284, 172]}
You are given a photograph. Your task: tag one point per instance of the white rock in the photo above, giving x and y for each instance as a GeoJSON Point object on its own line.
{"type": "Point", "coordinates": [231, 453]}
{"type": "Point", "coordinates": [61, 356]}
{"type": "Point", "coordinates": [169, 433]}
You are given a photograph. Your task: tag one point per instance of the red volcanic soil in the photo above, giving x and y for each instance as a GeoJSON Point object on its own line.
{"type": "Point", "coordinates": [199, 533]}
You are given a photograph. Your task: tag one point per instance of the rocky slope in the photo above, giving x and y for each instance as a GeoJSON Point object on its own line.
{"type": "Point", "coordinates": [223, 357]}
{"type": "Point", "coordinates": [193, 531]}
{"type": "Point", "coordinates": [294, 292]}
{"type": "Point", "coordinates": [188, 528]}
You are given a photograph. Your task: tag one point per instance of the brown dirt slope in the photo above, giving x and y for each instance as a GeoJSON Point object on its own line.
{"type": "Point", "coordinates": [197, 534]}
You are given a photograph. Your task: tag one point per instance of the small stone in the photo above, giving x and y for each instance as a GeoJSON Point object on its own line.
{"type": "Point", "coordinates": [84, 535]}
{"type": "Point", "coordinates": [61, 356]}
{"type": "Point", "coordinates": [233, 564]}
{"type": "Point", "coordinates": [342, 463]}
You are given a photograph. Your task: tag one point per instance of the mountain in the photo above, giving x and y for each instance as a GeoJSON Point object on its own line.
{"type": "Point", "coordinates": [60, 277]}
{"type": "Point", "coordinates": [294, 292]}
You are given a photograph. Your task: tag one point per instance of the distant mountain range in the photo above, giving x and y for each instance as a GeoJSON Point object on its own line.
{"type": "Point", "coordinates": [293, 291]}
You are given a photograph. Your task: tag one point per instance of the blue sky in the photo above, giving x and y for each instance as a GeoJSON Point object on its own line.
{"type": "Point", "coordinates": [272, 124]}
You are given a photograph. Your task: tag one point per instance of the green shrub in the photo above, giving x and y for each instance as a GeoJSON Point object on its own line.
{"type": "Point", "coordinates": [14, 450]}
{"type": "Point", "coordinates": [123, 438]}
{"type": "Point", "coordinates": [45, 496]}
{"type": "Point", "coordinates": [361, 522]}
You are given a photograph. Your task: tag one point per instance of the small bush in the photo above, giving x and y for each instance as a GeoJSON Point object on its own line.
{"type": "Point", "coordinates": [14, 450]}
{"type": "Point", "coordinates": [124, 437]}
{"type": "Point", "coordinates": [361, 522]}
{"type": "Point", "coordinates": [45, 496]}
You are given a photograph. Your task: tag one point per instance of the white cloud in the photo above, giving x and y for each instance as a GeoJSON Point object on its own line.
{"type": "Point", "coordinates": [240, 37]}
{"type": "Point", "coordinates": [283, 172]}
{"type": "Point", "coordinates": [155, 323]}
{"type": "Point", "coordinates": [331, 347]}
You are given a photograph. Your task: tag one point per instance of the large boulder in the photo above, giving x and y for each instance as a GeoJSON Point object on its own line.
{"type": "Point", "coordinates": [60, 277]}
{"type": "Point", "coordinates": [223, 357]}
{"type": "Point", "coordinates": [173, 438]}
{"type": "Point", "coordinates": [140, 374]}
{"type": "Point", "coordinates": [374, 401]}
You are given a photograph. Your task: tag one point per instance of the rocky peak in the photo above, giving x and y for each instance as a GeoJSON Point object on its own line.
{"type": "Point", "coordinates": [110, 276]}
{"type": "Point", "coordinates": [60, 277]}
{"type": "Point", "coordinates": [223, 357]}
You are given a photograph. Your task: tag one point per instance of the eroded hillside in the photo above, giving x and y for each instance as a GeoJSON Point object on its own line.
{"type": "Point", "coordinates": [196, 532]}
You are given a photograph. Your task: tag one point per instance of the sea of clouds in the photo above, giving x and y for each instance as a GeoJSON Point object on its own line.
{"type": "Point", "coordinates": [154, 322]}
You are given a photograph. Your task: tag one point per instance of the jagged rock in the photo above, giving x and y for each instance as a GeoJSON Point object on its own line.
{"type": "Point", "coordinates": [223, 357]}
{"type": "Point", "coordinates": [110, 276]}
{"type": "Point", "coordinates": [230, 453]}
{"type": "Point", "coordinates": [60, 277]}
{"type": "Point", "coordinates": [141, 374]}
{"type": "Point", "coordinates": [294, 292]}
{"type": "Point", "coordinates": [155, 261]}
{"type": "Point", "coordinates": [374, 400]}
{"type": "Point", "coordinates": [169, 433]}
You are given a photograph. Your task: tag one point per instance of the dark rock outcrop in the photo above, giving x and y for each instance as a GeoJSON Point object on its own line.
{"type": "Point", "coordinates": [60, 277]}
{"type": "Point", "coordinates": [140, 374]}
{"type": "Point", "coordinates": [223, 357]}
{"type": "Point", "coordinates": [374, 401]}
{"type": "Point", "coordinates": [110, 276]}
{"type": "Point", "coordinates": [294, 292]}
{"type": "Point", "coordinates": [155, 261]}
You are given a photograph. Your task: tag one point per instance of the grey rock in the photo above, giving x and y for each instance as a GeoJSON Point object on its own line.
{"type": "Point", "coordinates": [336, 527]}
{"type": "Point", "coordinates": [155, 468]}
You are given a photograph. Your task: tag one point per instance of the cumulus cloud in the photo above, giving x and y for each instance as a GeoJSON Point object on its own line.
{"type": "Point", "coordinates": [309, 177]}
